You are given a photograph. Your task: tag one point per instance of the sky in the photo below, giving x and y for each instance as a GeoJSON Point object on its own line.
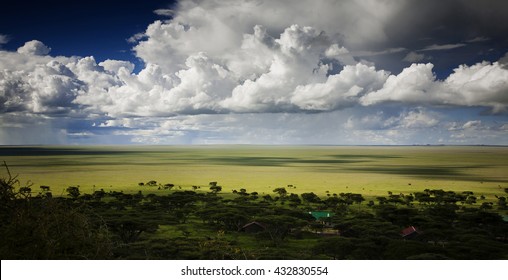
{"type": "Point", "coordinates": [287, 72]}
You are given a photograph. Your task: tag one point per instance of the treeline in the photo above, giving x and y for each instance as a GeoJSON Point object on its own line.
{"type": "Point", "coordinates": [186, 224]}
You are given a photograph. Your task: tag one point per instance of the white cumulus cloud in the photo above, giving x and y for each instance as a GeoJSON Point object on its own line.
{"type": "Point", "coordinates": [483, 84]}
{"type": "Point", "coordinates": [340, 90]}
{"type": "Point", "coordinates": [413, 85]}
{"type": "Point", "coordinates": [34, 47]}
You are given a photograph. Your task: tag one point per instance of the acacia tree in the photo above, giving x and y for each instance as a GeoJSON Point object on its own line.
{"type": "Point", "coordinates": [73, 192]}
{"type": "Point", "coordinates": [310, 197]}
{"type": "Point", "coordinates": [129, 229]}
{"type": "Point", "coordinates": [282, 192]}
{"type": "Point", "coordinates": [214, 188]}
{"type": "Point", "coordinates": [471, 199]}
{"type": "Point", "coordinates": [25, 191]}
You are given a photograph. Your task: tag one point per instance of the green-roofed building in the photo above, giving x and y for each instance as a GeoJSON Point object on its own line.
{"type": "Point", "coordinates": [320, 215]}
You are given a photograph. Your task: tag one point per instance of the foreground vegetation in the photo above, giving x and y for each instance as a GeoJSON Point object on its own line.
{"type": "Point", "coordinates": [204, 223]}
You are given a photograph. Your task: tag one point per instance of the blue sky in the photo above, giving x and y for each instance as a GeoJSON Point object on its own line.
{"type": "Point", "coordinates": [98, 28]}
{"type": "Point", "coordinates": [254, 72]}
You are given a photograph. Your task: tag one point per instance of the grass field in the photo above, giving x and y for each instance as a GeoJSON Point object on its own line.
{"type": "Point", "coordinates": [370, 170]}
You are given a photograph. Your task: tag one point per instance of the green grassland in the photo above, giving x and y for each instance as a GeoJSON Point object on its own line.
{"type": "Point", "coordinates": [370, 170]}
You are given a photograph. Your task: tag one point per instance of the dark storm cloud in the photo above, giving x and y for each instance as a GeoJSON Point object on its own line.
{"type": "Point", "coordinates": [457, 32]}
{"type": "Point", "coordinates": [447, 22]}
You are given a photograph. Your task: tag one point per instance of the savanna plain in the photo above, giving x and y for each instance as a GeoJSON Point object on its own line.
{"type": "Point", "coordinates": [370, 170]}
